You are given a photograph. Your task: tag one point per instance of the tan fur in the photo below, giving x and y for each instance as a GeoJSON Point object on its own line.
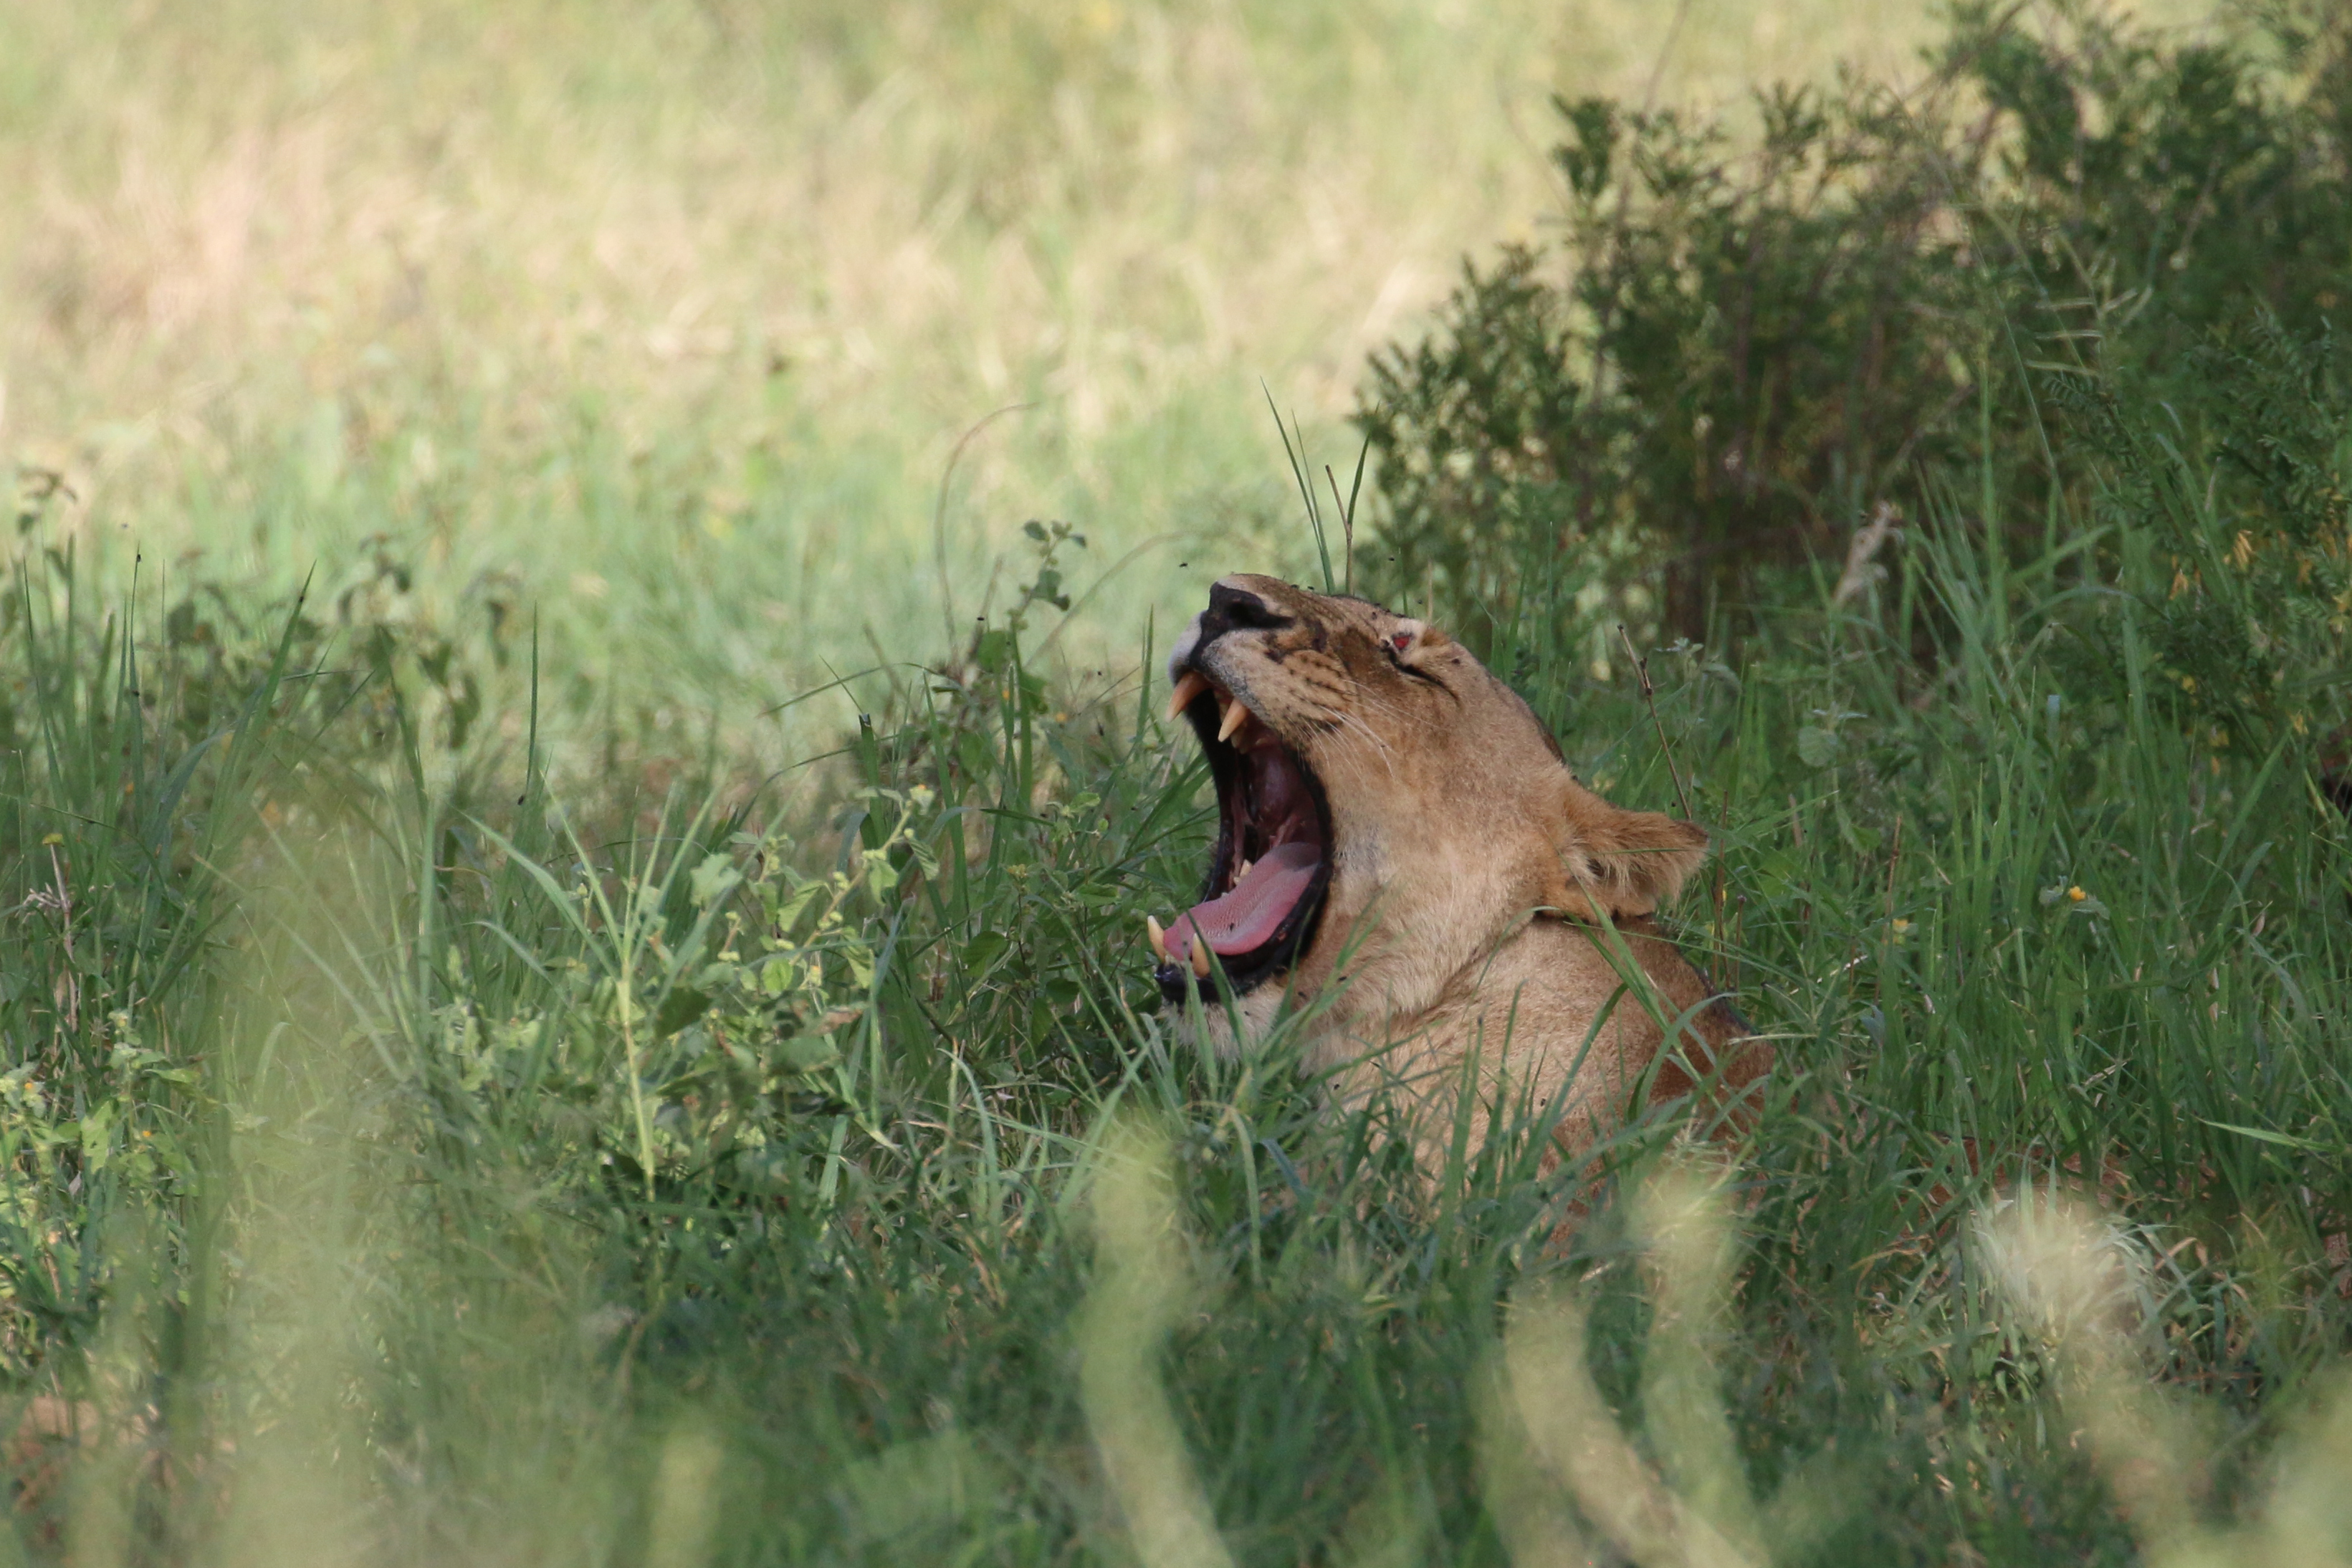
{"type": "Point", "coordinates": [1485, 900]}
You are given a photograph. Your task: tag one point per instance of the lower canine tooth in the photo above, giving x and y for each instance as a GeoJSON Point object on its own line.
{"type": "Point", "coordinates": [1243, 871]}
{"type": "Point", "coordinates": [1159, 938]}
{"type": "Point", "coordinates": [1200, 956]}
{"type": "Point", "coordinates": [1189, 686]}
{"type": "Point", "coordinates": [1236, 717]}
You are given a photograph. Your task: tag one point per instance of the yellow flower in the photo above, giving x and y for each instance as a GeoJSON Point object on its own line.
{"type": "Point", "coordinates": [2076, 894]}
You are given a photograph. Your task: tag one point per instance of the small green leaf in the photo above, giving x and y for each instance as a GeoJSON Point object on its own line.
{"type": "Point", "coordinates": [714, 879]}
{"type": "Point", "coordinates": [682, 1006]}
{"type": "Point", "coordinates": [808, 1053]}
{"type": "Point", "coordinates": [984, 950]}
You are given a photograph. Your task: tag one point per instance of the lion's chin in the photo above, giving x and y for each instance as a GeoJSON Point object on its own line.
{"type": "Point", "coordinates": [1272, 864]}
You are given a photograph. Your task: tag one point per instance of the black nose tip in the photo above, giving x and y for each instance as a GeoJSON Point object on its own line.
{"type": "Point", "coordinates": [1238, 609]}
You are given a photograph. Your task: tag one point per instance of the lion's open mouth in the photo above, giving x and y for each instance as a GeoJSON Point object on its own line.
{"type": "Point", "coordinates": [1272, 861]}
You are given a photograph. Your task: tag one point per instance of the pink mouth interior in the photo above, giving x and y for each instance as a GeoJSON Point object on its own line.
{"type": "Point", "coordinates": [1246, 919]}
{"type": "Point", "coordinates": [1272, 824]}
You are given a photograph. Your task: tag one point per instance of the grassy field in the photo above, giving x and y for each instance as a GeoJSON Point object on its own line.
{"type": "Point", "coordinates": [392, 1187]}
{"type": "Point", "coordinates": [665, 325]}
{"type": "Point", "coordinates": [460, 1105]}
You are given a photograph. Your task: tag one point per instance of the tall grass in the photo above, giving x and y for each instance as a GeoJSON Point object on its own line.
{"type": "Point", "coordinates": [775, 1178]}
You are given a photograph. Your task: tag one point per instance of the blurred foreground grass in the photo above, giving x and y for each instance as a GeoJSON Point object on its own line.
{"type": "Point", "coordinates": [661, 325]}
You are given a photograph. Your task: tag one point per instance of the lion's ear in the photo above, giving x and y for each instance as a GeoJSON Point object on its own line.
{"type": "Point", "coordinates": [1619, 863]}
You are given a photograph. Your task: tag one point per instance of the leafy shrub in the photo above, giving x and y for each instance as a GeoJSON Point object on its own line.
{"type": "Point", "coordinates": [1731, 358]}
{"type": "Point", "coordinates": [2232, 540]}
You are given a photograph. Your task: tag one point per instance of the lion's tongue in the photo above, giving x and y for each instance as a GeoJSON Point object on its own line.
{"type": "Point", "coordinates": [1247, 917]}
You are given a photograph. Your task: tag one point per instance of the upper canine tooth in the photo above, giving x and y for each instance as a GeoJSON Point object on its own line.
{"type": "Point", "coordinates": [1159, 937]}
{"type": "Point", "coordinates": [1189, 686]}
{"type": "Point", "coordinates": [1236, 715]}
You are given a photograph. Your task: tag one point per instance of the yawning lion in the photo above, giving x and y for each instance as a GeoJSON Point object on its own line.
{"type": "Point", "coordinates": [1391, 816]}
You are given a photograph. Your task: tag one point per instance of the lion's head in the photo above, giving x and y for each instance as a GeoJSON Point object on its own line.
{"type": "Point", "coordinates": [1381, 794]}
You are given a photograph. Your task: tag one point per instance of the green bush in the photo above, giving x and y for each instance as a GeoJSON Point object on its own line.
{"type": "Point", "coordinates": [2231, 540]}
{"type": "Point", "coordinates": [1733, 356]}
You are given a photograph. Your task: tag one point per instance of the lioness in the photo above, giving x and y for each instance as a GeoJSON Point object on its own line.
{"type": "Point", "coordinates": [1385, 803]}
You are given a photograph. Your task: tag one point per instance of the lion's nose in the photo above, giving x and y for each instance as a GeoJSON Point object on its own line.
{"type": "Point", "coordinates": [1238, 609]}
